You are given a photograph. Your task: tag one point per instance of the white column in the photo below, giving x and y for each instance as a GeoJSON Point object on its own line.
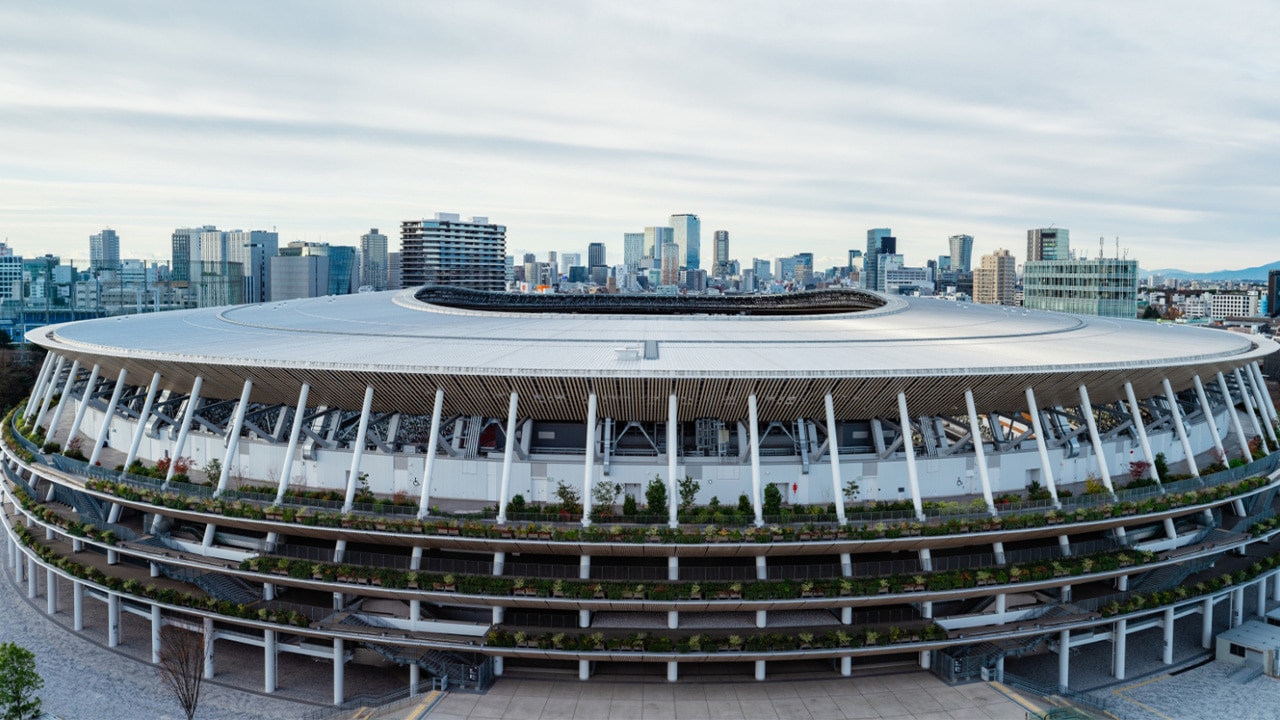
{"type": "Point", "coordinates": [51, 591]}
{"type": "Point", "coordinates": [1207, 409]}
{"type": "Point", "coordinates": [1087, 408]}
{"type": "Point", "coordinates": [77, 604]}
{"type": "Point", "coordinates": [672, 672]}
{"type": "Point", "coordinates": [415, 678]}
{"type": "Point", "coordinates": [833, 450]}
{"type": "Point", "coordinates": [913, 480]}
{"type": "Point", "coordinates": [295, 431]}
{"type": "Point", "coordinates": [1246, 395]}
{"type": "Point", "coordinates": [1119, 637]}
{"type": "Point", "coordinates": [339, 659]}
{"type": "Point", "coordinates": [1042, 445]}
{"type": "Point", "coordinates": [504, 492]}
{"type": "Point", "coordinates": [48, 389]}
{"type": "Point", "coordinates": [233, 439]}
{"type": "Point", "coordinates": [31, 577]}
{"type": "Point", "coordinates": [358, 450]}
{"type": "Point", "coordinates": [1064, 658]}
{"type": "Point", "coordinates": [187, 416]}
{"type": "Point", "coordinates": [1136, 411]}
{"type": "Point", "coordinates": [754, 420]}
{"type": "Point", "coordinates": [759, 670]}
{"type": "Point", "coordinates": [269, 659]}
{"type": "Point", "coordinates": [1168, 636]}
{"type": "Point", "coordinates": [1275, 587]}
{"type": "Point", "coordinates": [113, 619]}
{"type": "Point", "coordinates": [1234, 417]}
{"type": "Point", "coordinates": [589, 461]}
{"type": "Point", "coordinates": [425, 499]}
{"type": "Point", "coordinates": [1266, 394]}
{"type": "Point", "coordinates": [143, 419]}
{"type": "Point", "coordinates": [1261, 587]}
{"type": "Point", "coordinates": [84, 403]}
{"type": "Point", "coordinates": [105, 427]}
{"type": "Point", "coordinates": [1180, 427]}
{"type": "Point", "coordinates": [1259, 392]}
{"type": "Point", "coordinates": [156, 624]}
{"type": "Point", "coordinates": [66, 400]}
{"type": "Point", "coordinates": [42, 378]}
{"type": "Point", "coordinates": [208, 648]}
{"type": "Point", "coordinates": [673, 457]}
{"type": "Point", "coordinates": [980, 452]}
{"type": "Point", "coordinates": [584, 573]}
{"type": "Point", "coordinates": [1206, 623]}
{"type": "Point", "coordinates": [1237, 606]}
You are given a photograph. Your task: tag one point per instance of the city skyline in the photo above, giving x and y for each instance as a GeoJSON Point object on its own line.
{"type": "Point", "coordinates": [1112, 121]}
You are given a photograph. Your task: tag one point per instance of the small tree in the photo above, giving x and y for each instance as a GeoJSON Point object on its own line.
{"type": "Point", "coordinates": [629, 505]}
{"type": "Point", "coordinates": [19, 683]}
{"type": "Point", "coordinates": [688, 488]}
{"type": "Point", "coordinates": [772, 500]}
{"type": "Point", "coordinates": [604, 495]}
{"type": "Point", "coordinates": [655, 495]}
{"type": "Point", "coordinates": [213, 470]}
{"type": "Point", "coordinates": [1162, 467]}
{"type": "Point", "coordinates": [851, 490]}
{"type": "Point", "coordinates": [569, 497]}
{"type": "Point", "coordinates": [182, 666]}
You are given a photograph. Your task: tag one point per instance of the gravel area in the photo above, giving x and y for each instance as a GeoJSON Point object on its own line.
{"type": "Point", "coordinates": [1204, 692]}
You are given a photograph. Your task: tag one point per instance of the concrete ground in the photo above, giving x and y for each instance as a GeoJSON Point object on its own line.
{"type": "Point", "coordinates": [1204, 692]}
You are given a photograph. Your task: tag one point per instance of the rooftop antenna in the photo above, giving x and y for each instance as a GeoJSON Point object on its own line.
{"type": "Point", "coordinates": [1101, 247]}
{"type": "Point", "coordinates": [1117, 247]}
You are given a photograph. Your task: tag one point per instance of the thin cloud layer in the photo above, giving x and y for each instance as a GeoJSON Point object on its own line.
{"type": "Point", "coordinates": [794, 126]}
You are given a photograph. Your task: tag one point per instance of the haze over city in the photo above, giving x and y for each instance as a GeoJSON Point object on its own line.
{"type": "Point", "coordinates": [796, 128]}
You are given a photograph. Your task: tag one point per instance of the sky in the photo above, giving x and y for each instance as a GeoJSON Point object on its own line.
{"type": "Point", "coordinates": [795, 126]}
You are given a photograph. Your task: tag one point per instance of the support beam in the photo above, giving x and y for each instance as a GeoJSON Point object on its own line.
{"type": "Point", "coordinates": [913, 480]}
{"type": "Point", "coordinates": [1119, 644]}
{"type": "Point", "coordinates": [1180, 428]}
{"type": "Point", "coordinates": [62, 403]}
{"type": "Point", "coordinates": [1266, 394]}
{"type": "Point", "coordinates": [1206, 623]}
{"type": "Point", "coordinates": [504, 491]}
{"type": "Point", "coordinates": [1064, 659]}
{"type": "Point", "coordinates": [270, 656]}
{"type": "Point", "coordinates": [357, 451]}
{"type": "Point", "coordinates": [49, 388]}
{"type": "Point", "coordinates": [42, 378]}
{"type": "Point", "coordinates": [157, 624]}
{"type": "Point", "coordinates": [1042, 445]}
{"type": "Point", "coordinates": [1246, 396]}
{"type": "Point", "coordinates": [673, 457]}
{"type": "Point", "coordinates": [1087, 408]}
{"type": "Point", "coordinates": [425, 499]}
{"type": "Point", "coordinates": [754, 428]}
{"type": "Point", "coordinates": [208, 648]}
{"type": "Point", "coordinates": [589, 463]}
{"type": "Point", "coordinates": [113, 619]}
{"type": "Point", "coordinates": [1136, 411]}
{"type": "Point", "coordinates": [141, 426]}
{"type": "Point", "coordinates": [84, 403]}
{"type": "Point", "coordinates": [51, 591]}
{"type": "Point", "coordinates": [105, 426]}
{"type": "Point", "coordinates": [1259, 392]}
{"type": "Point", "coordinates": [833, 449]}
{"type": "Point", "coordinates": [233, 438]}
{"type": "Point", "coordinates": [1234, 416]}
{"type": "Point", "coordinates": [178, 444]}
{"type": "Point", "coordinates": [286, 467]}
{"type": "Point", "coordinates": [77, 605]}
{"type": "Point", "coordinates": [979, 452]}
{"type": "Point", "coordinates": [1207, 409]}
{"type": "Point", "coordinates": [339, 660]}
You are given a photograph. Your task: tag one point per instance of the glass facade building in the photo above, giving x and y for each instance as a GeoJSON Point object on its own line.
{"type": "Point", "coordinates": [1107, 286]}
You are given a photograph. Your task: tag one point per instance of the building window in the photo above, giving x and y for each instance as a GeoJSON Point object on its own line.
{"type": "Point", "coordinates": [1237, 650]}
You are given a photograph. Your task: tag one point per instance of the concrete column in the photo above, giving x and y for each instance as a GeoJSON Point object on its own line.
{"type": "Point", "coordinates": [926, 559]}
{"type": "Point", "coordinates": [208, 648]}
{"type": "Point", "coordinates": [1002, 604]}
{"type": "Point", "coordinates": [672, 671]}
{"type": "Point", "coordinates": [846, 666]}
{"type": "Point", "coordinates": [1206, 623]}
{"type": "Point", "coordinates": [1167, 657]}
{"type": "Point", "coordinates": [415, 678]}
{"type": "Point", "coordinates": [1042, 446]}
{"type": "Point", "coordinates": [1119, 644]}
{"type": "Point", "coordinates": [49, 388]}
{"type": "Point", "coordinates": [997, 548]}
{"type": "Point", "coordinates": [1246, 397]}
{"type": "Point", "coordinates": [1275, 587]}
{"type": "Point", "coordinates": [1136, 411]}
{"type": "Point", "coordinates": [141, 426]}
{"type": "Point", "coordinates": [673, 457]}
{"type": "Point", "coordinates": [156, 624]}
{"type": "Point", "coordinates": [233, 438]}
{"type": "Point", "coordinates": [64, 402]}
{"type": "Point", "coordinates": [269, 659]}
{"type": "Point", "coordinates": [31, 577]}
{"type": "Point", "coordinates": [1207, 409]}
{"type": "Point", "coordinates": [84, 402]}
{"type": "Point", "coordinates": [499, 566]}
{"type": "Point", "coordinates": [77, 604]}
{"type": "Point", "coordinates": [504, 493]}
{"type": "Point", "coordinates": [37, 390]}
{"type": "Point", "coordinates": [833, 450]}
{"type": "Point", "coordinates": [589, 462]}
{"type": "Point", "coordinates": [1257, 391]}
{"type": "Point", "coordinates": [762, 573]}
{"type": "Point", "coordinates": [584, 670]}
{"type": "Point", "coordinates": [51, 591]}
{"type": "Point", "coordinates": [759, 670]}
{"type": "Point", "coordinates": [105, 426]}
{"type": "Point", "coordinates": [1261, 609]}
{"type": "Point", "coordinates": [113, 619]}
{"type": "Point", "coordinates": [913, 479]}
{"type": "Point", "coordinates": [980, 452]}
{"type": "Point", "coordinates": [357, 453]}
{"type": "Point", "coordinates": [1266, 394]}
{"type": "Point", "coordinates": [1180, 427]}
{"type": "Point", "coordinates": [295, 430]}
{"type": "Point", "coordinates": [181, 441]}
{"type": "Point", "coordinates": [756, 489]}
{"type": "Point", "coordinates": [339, 660]}
{"type": "Point", "coordinates": [1087, 408]}
{"type": "Point", "coordinates": [268, 591]}
{"type": "Point", "coordinates": [1234, 417]}
{"type": "Point", "coordinates": [1237, 606]}
{"type": "Point", "coordinates": [1064, 659]}
{"type": "Point", "coordinates": [424, 501]}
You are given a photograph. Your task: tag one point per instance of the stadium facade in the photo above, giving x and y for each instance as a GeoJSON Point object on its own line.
{"type": "Point", "coordinates": [439, 477]}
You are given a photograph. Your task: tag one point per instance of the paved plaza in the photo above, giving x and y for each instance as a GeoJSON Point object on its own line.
{"type": "Point", "coordinates": [1205, 692]}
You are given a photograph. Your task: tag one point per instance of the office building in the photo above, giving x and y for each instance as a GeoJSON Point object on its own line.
{"type": "Point", "coordinates": [447, 251]}
{"type": "Point", "coordinates": [670, 264]}
{"type": "Point", "coordinates": [395, 281]}
{"type": "Point", "coordinates": [1273, 293]}
{"type": "Point", "coordinates": [569, 260]}
{"type": "Point", "coordinates": [880, 241]}
{"type": "Point", "coordinates": [1048, 244]}
{"type": "Point", "coordinates": [251, 250]}
{"type": "Point", "coordinates": [995, 279]}
{"type": "Point", "coordinates": [1104, 286]}
{"type": "Point", "coordinates": [1234, 305]}
{"type": "Point", "coordinates": [185, 249]}
{"type": "Point", "coordinates": [299, 276]}
{"type": "Point", "coordinates": [595, 255]}
{"type": "Point", "coordinates": [655, 237]}
{"type": "Point", "coordinates": [721, 250]}
{"type": "Point", "coordinates": [373, 260]}
{"type": "Point", "coordinates": [961, 247]}
{"type": "Point", "coordinates": [104, 251]}
{"type": "Point", "coordinates": [633, 250]}
{"type": "Point", "coordinates": [687, 234]}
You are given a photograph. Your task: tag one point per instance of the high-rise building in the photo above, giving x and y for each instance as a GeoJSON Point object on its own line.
{"type": "Point", "coordinates": [568, 260]}
{"type": "Point", "coordinates": [961, 252]}
{"type": "Point", "coordinates": [995, 278]}
{"type": "Point", "coordinates": [251, 250]}
{"type": "Point", "coordinates": [654, 238]}
{"type": "Point", "coordinates": [670, 264]}
{"type": "Point", "coordinates": [104, 251]}
{"type": "Point", "coordinates": [186, 248]}
{"type": "Point", "coordinates": [394, 279]}
{"type": "Point", "coordinates": [373, 260]}
{"type": "Point", "coordinates": [688, 235]}
{"type": "Point", "coordinates": [1103, 286]}
{"type": "Point", "coordinates": [880, 241]}
{"type": "Point", "coordinates": [632, 250]}
{"type": "Point", "coordinates": [1273, 293]}
{"type": "Point", "coordinates": [299, 276]}
{"type": "Point", "coordinates": [1048, 244]}
{"type": "Point", "coordinates": [721, 268]}
{"type": "Point", "coordinates": [595, 255]}
{"type": "Point", "coordinates": [447, 251]}
{"type": "Point", "coordinates": [761, 269]}
{"type": "Point", "coordinates": [344, 270]}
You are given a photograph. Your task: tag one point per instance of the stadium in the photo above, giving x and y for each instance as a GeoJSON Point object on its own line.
{"type": "Point", "coordinates": [442, 485]}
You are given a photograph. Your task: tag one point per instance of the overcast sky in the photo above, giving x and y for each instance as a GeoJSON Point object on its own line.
{"type": "Point", "coordinates": [794, 125]}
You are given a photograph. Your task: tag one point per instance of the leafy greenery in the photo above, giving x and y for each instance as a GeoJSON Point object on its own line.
{"type": "Point", "coordinates": [19, 683]}
{"type": "Point", "coordinates": [655, 496]}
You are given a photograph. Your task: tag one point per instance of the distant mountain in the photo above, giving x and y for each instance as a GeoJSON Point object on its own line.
{"type": "Point", "coordinates": [1253, 273]}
